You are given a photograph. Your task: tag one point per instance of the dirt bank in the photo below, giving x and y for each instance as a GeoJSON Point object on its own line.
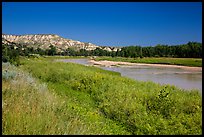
{"type": "Point", "coordinates": [116, 63]}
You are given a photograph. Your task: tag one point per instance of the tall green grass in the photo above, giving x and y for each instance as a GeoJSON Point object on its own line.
{"type": "Point", "coordinates": [95, 101]}
{"type": "Point", "coordinates": [193, 62]}
{"type": "Point", "coordinates": [32, 107]}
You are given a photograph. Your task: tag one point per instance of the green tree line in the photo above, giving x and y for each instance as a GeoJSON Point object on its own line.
{"type": "Point", "coordinates": [189, 50]}
{"type": "Point", "coordinates": [12, 52]}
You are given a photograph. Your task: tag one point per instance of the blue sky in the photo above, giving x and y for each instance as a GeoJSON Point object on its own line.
{"type": "Point", "coordinates": [107, 23]}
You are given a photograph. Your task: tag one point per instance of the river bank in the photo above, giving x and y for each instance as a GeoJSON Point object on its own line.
{"type": "Point", "coordinates": [118, 63]}
{"type": "Point", "coordinates": [90, 100]}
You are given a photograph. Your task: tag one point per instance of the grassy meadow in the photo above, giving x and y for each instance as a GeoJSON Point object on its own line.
{"type": "Point", "coordinates": [42, 96]}
{"type": "Point", "coordinates": [193, 62]}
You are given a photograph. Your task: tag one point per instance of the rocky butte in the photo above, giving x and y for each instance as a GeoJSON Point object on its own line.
{"type": "Point", "coordinates": [43, 41]}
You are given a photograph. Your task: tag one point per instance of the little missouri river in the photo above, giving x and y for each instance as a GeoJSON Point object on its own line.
{"type": "Point", "coordinates": [180, 76]}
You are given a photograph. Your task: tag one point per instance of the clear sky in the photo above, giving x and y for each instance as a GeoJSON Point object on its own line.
{"type": "Point", "coordinates": [107, 23]}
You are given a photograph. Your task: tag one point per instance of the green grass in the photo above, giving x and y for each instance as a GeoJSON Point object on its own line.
{"type": "Point", "coordinates": [88, 100]}
{"type": "Point", "coordinates": [193, 62]}
{"type": "Point", "coordinates": [31, 109]}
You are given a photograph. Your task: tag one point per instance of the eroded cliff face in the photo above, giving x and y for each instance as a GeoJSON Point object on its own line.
{"type": "Point", "coordinates": [45, 40]}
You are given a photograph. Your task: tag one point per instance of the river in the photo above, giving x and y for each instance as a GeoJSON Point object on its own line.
{"type": "Point", "coordinates": [185, 79]}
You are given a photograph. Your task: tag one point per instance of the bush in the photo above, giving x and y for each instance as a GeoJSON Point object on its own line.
{"type": "Point", "coordinates": [7, 75]}
{"type": "Point", "coordinates": [10, 54]}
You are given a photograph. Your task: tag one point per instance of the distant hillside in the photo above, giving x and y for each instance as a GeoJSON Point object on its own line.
{"type": "Point", "coordinates": [43, 41]}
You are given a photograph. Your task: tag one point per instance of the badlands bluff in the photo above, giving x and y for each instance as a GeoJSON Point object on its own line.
{"type": "Point", "coordinates": [43, 41]}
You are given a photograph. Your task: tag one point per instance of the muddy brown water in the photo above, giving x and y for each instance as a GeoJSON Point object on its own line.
{"type": "Point", "coordinates": [185, 79]}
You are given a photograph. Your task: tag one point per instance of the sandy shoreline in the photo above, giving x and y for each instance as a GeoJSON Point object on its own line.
{"type": "Point", "coordinates": [116, 63]}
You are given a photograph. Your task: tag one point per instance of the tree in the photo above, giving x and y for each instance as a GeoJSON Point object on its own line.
{"type": "Point", "coordinates": [10, 54]}
{"type": "Point", "coordinates": [52, 51]}
{"type": "Point", "coordinates": [40, 51]}
{"type": "Point", "coordinates": [71, 52]}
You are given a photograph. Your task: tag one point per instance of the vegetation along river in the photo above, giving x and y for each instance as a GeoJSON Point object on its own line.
{"type": "Point", "coordinates": [182, 78]}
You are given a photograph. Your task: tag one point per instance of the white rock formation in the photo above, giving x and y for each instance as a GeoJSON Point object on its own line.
{"type": "Point", "coordinates": [45, 40]}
